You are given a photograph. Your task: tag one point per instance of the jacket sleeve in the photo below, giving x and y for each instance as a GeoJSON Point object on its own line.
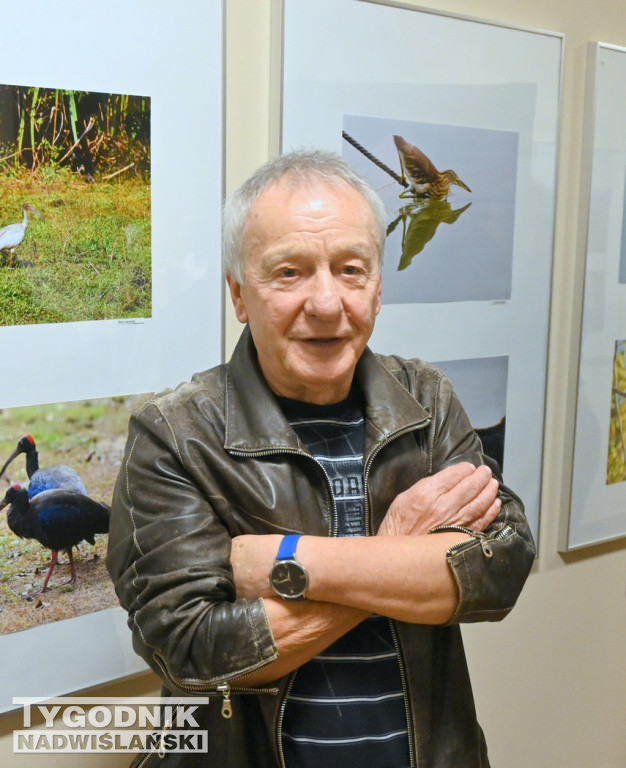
{"type": "Point", "coordinates": [490, 568]}
{"type": "Point", "coordinates": [169, 560]}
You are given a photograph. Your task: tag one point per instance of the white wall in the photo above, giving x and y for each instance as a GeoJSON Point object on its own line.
{"type": "Point", "coordinates": [550, 681]}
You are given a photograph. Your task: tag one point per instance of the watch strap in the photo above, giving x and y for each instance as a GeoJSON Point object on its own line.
{"type": "Point", "coordinates": [287, 548]}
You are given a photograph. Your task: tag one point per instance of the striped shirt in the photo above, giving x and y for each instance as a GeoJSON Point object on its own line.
{"type": "Point", "coordinates": [345, 706]}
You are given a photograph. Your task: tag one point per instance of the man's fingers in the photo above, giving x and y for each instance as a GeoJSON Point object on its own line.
{"type": "Point", "coordinates": [480, 509]}
{"type": "Point", "coordinates": [452, 475]}
{"type": "Point", "coordinates": [460, 494]}
{"type": "Point", "coordinates": [483, 522]}
{"type": "Point", "coordinates": [470, 487]}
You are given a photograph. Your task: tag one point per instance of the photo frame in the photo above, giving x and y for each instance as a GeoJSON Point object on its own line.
{"type": "Point", "coordinates": [598, 487]}
{"type": "Point", "coordinates": [152, 54]}
{"type": "Point", "coordinates": [496, 129]}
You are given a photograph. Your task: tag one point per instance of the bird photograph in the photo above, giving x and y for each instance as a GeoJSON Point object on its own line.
{"type": "Point", "coordinates": [430, 174]}
{"type": "Point", "coordinates": [59, 462]}
{"type": "Point", "coordinates": [77, 166]}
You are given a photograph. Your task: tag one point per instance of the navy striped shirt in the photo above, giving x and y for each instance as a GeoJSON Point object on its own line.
{"type": "Point", "coordinates": [345, 706]}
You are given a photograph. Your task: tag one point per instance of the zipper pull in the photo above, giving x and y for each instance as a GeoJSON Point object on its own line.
{"type": "Point", "coordinates": [484, 543]}
{"type": "Point", "coordinates": [480, 537]}
{"type": "Point", "coordinates": [227, 705]}
{"type": "Point", "coordinates": [167, 727]}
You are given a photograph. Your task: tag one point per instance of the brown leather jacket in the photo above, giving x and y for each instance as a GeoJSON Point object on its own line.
{"type": "Point", "coordinates": [215, 458]}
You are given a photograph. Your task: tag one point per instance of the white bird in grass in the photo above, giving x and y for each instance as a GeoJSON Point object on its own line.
{"type": "Point", "coordinates": [13, 234]}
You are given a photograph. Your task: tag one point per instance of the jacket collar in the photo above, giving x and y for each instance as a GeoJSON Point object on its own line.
{"type": "Point", "coordinates": [255, 423]}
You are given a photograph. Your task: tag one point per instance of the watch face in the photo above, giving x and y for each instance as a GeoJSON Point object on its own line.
{"type": "Point", "coordinates": [289, 579]}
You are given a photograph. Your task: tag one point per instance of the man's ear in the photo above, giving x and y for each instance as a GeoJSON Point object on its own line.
{"type": "Point", "coordinates": [237, 299]}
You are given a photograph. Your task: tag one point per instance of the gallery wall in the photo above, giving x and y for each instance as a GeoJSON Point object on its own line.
{"type": "Point", "coordinates": [550, 681]}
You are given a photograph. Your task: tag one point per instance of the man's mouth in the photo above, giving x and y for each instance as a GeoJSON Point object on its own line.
{"type": "Point", "coordinates": [324, 340]}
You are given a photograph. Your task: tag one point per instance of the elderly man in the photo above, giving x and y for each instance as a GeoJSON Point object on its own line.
{"type": "Point", "coordinates": [298, 533]}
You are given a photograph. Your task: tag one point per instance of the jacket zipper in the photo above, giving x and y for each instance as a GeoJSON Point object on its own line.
{"type": "Point", "coordinates": [143, 763]}
{"type": "Point", "coordinates": [394, 634]}
{"type": "Point", "coordinates": [405, 692]}
{"type": "Point", "coordinates": [224, 688]}
{"type": "Point", "coordinates": [482, 538]}
{"type": "Point", "coordinates": [370, 461]}
{"type": "Point", "coordinates": [281, 715]}
{"type": "Point", "coordinates": [161, 752]}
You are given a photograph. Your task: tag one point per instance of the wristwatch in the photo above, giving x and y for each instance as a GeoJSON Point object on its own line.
{"type": "Point", "coordinates": [288, 576]}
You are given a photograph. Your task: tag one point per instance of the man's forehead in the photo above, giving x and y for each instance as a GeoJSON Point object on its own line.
{"type": "Point", "coordinates": [305, 197]}
{"type": "Point", "coordinates": [290, 203]}
{"type": "Point", "coordinates": [313, 188]}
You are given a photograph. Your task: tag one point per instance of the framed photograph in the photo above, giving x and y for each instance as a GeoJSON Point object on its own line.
{"type": "Point", "coordinates": [433, 110]}
{"type": "Point", "coordinates": [598, 490]}
{"type": "Point", "coordinates": [110, 274]}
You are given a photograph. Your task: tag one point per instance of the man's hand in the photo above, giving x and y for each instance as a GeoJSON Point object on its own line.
{"type": "Point", "coordinates": [461, 494]}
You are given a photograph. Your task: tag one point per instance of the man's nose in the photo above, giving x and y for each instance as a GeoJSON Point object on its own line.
{"type": "Point", "coordinates": [324, 299]}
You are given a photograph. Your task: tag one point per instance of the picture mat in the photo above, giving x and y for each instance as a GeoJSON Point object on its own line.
{"type": "Point", "coordinates": [460, 86]}
{"type": "Point", "coordinates": [100, 358]}
{"type": "Point", "coordinates": [597, 509]}
{"type": "Point", "coordinates": [151, 53]}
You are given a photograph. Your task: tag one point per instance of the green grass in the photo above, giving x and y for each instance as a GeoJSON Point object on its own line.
{"type": "Point", "coordinates": [88, 258]}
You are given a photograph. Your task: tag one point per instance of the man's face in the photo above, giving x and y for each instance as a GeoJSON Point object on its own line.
{"type": "Point", "coordinates": [311, 287]}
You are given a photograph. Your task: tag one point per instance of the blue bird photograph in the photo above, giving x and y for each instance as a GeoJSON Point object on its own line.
{"type": "Point", "coordinates": [58, 464]}
{"type": "Point", "coordinates": [75, 206]}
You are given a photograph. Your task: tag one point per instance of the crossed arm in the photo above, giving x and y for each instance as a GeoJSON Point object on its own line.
{"type": "Point", "coordinates": [401, 573]}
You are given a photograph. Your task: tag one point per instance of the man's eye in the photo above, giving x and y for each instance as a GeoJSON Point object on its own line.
{"type": "Point", "coordinates": [351, 269]}
{"type": "Point", "coordinates": [288, 272]}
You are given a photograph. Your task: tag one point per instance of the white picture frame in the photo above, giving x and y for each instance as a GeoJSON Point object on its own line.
{"type": "Point", "coordinates": [598, 488]}
{"type": "Point", "coordinates": [405, 65]}
{"type": "Point", "coordinates": [172, 53]}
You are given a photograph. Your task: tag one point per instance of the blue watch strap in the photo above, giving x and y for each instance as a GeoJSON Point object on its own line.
{"type": "Point", "coordinates": [287, 548]}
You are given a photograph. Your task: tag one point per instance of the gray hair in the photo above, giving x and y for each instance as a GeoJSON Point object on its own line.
{"type": "Point", "coordinates": [302, 167]}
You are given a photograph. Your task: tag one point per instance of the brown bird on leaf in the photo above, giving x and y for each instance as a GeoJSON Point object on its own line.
{"type": "Point", "coordinates": [424, 179]}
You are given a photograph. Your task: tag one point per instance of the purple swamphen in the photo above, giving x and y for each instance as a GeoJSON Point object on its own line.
{"type": "Point", "coordinates": [46, 478]}
{"type": "Point", "coordinates": [58, 519]}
